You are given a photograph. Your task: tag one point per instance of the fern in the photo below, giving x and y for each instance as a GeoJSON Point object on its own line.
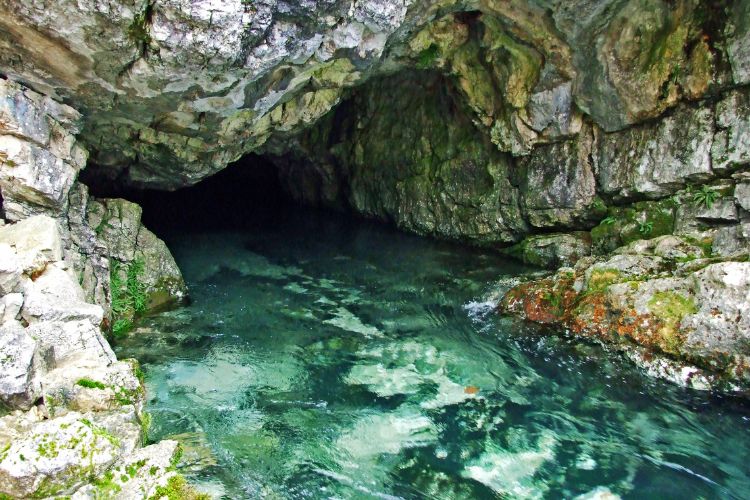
{"type": "Point", "coordinates": [705, 196]}
{"type": "Point", "coordinates": [128, 297]}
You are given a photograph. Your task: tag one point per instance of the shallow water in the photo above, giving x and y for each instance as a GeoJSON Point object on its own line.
{"type": "Point", "coordinates": [325, 358]}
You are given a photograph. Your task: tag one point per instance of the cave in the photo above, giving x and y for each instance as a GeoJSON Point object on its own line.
{"type": "Point", "coordinates": [374, 249]}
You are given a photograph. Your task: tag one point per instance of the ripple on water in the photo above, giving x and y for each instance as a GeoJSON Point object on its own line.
{"type": "Point", "coordinates": [373, 366]}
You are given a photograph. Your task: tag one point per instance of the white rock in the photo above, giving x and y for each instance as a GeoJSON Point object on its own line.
{"type": "Point", "coordinates": [10, 269]}
{"type": "Point", "coordinates": [19, 386]}
{"type": "Point", "coordinates": [62, 339]}
{"type": "Point", "coordinates": [138, 475]}
{"type": "Point", "coordinates": [57, 456]}
{"type": "Point", "coordinates": [36, 241]}
{"type": "Point", "coordinates": [10, 306]}
{"type": "Point", "coordinates": [56, 296]}
{"type": "Point", "coordinates": [85, 384]}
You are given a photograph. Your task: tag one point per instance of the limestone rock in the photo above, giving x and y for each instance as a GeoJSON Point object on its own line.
{"type": "Point", "coordinates": [36, 241]}
{"type": "Point", "coordinates": [48, 460]}
{"type": "Point", "coordinates": [56, 296]}
{"type": "Point", "coordinates": [557, 183]}
{"type": "Point", "coordinates": [39, 156]}
{"type": "Point", "coordinates": [82, 383]}
{"type": "Point", "coordinates": [19, 386]}
{"type": "Point", "coordinates": [720, 328]}
{"type": "Point", "coordinates": [654, 161]}
{"type": "Point", "coordinates": [731, 148]}
{"type": "Point", "coordinates": [138, 475]}
{"type": "Point", "coordinates": [10, 306]}
{"type": "Point", "coordinates": [553, 250]}
{"type": "Point", "coordinates": [62, 339]}
{"type": "Point", "coordinates": [697, 314]}
{"type": "Point", "coordinates": [10, 269]}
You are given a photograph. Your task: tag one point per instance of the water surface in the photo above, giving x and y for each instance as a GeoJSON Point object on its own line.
{"type": "Point", "coordinates": [326, 358]}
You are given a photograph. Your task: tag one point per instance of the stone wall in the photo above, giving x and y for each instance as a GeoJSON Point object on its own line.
{"type": "Point", "coordinates": [71, 414]}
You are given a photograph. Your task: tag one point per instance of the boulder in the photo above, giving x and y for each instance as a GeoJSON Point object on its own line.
{"type": "Point", "coordinates": [61, 339]}
{"type": "Point", "coordinates": [82, 383]}
{"type": "Point", "coordinates": [138, 475]}
{"type": "Point", "coordinates": [10, 269]}
{"type": "Point", "coordinates": [36, 241]}
{"type": "Point", "coordinates": [57, 457]}
{"type": "Point", "coordinates": [19, 360]}
{"type": "Point", "coordinates": [552, 251]}
{"type": "Point", "coordinates": [10, 306]}
{"type": "Point", "coordinates": [56, 296]}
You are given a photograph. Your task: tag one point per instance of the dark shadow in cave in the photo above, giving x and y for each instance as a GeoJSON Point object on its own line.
{"type": "Point", "coordinates": [245, 195]}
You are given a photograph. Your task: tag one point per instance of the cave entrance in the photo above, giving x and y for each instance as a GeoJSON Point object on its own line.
{"type": "Point", "coordinates": [245, 195]}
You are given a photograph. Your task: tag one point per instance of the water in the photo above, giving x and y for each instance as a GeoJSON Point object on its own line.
{"type": "Point", "coordinates": [323, 358]}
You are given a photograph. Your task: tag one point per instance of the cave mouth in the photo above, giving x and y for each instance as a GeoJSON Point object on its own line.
{"type": "Point", "coordinates": [245, 195]}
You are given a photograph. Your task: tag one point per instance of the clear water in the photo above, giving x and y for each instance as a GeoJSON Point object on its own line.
{"type": "Point", "coordinates": [323, 358]}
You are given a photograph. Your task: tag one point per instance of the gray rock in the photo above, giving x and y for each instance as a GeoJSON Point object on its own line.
{"type": "Point", "coordinates": [738, 46]}
{"type": "Point", "coordinates": [731, 148]}
{"type": "Point", "coordinates": [10, 306]}
{"type": "Point", "coordinates": [721, 326]}
{"type": "Point", "coordinates": [552, 251]}
{"type": "Point", "coordinates": [48, 459]}
{"type": "Point", "coordinates": [558, 184]}
{"type": "Point", "coordinates": [82, 383]}
{"type": "Point", "coordinates": [56, 296]}
{"type": "Point", "coordinates": [62, 339]}
{"type": "Point", "coordinates": [139, 474]}
{"type": "Point", "coordinates": [36, 241]}
{"type": "Point", "coordinates": [742, 195]}
{"type": "Point", "coordinates": [19, 385]}
{"type": "Point", "coordinates": [656, 160]}
{"type": "Point", "coordinates": [10, 269]}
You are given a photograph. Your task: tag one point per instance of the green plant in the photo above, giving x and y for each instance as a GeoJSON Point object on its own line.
{"type": "Point", "coordinates": [705, 196]}
{"type": "Point", "coordinates": [609, 220]}
{"type": "Point", "coordinates": [128, 296]}
{"type": "Point", "coordinates": [645, 228]}
{"type": "Point", "coordinates": [90, 384]}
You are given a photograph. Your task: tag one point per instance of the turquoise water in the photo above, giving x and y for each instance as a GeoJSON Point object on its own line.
{"type": "Point", "coordinates": [325, 358]}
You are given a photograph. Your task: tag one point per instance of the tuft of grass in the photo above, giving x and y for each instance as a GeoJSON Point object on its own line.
{"type": "Point", "coordinates": [90, 384]}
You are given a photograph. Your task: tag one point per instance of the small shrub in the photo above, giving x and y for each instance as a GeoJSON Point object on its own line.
{"type": "Point", "coordinates": [705, 196]}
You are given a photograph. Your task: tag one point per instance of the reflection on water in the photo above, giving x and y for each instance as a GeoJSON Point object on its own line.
{"type": "Point", "coordinates": [326, 359]}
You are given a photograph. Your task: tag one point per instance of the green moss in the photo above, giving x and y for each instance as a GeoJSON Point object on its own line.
{"type": "Point", "coordinates": [106, 486]}
{"type": "Point", "coordinates": [601, 279]}
{"type": "Point", "coordinates": [90, 384]}
{"type": "Point", "coordinates": [426, 58]}
{"type": "Point", "coordinates": [178, 489]}
{"type": "Point", "coordinates": [669, 308]}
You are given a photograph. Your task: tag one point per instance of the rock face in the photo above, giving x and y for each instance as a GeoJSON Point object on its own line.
{"type": "Point", "coordinates": [172, 90]}
{"type": "Point", "coordinates": [72, 414]}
